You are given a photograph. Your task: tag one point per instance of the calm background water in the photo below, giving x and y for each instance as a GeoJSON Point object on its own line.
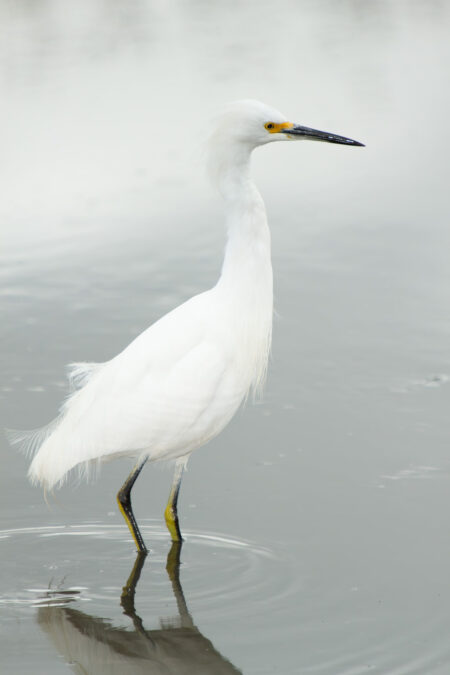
{"type": "Point", "coordinates": [316, 524]}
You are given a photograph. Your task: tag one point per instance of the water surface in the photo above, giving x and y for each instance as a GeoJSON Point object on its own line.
{"type": "Point", "coordinates": [316, 523]}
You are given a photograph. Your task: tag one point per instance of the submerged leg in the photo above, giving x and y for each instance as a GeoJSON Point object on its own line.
{"type": "Point", "coordinates": [170, 513]}
{"type": "Point", "coordinates": [124, 502]}
{"type": "Point", "coordinates": [128, 593]}
{"type": "Point", "coordinates": [129, 590]}
{"type": "Point", "coordinates": [173, 570]}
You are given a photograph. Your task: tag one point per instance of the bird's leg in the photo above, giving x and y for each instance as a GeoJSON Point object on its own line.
{"type": "Point", "coordinates": [170, 514]}
{"type": "Point", "coordinates": [129, 590]}
{"type": "Point", "coordinates": [124, 502]}
{"type": "Point", "coordinates": [173, 570]}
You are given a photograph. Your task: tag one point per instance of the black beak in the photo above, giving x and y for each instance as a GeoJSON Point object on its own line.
{"type": "Point", "coordinates": [316, 135]}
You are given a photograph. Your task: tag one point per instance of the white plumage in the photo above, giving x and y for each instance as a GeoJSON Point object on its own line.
{"type": "Point", "coordinates": [180, 382]}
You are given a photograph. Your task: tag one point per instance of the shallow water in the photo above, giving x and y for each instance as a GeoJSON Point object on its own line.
{"type": "Point", "coordinates": [316, 524]}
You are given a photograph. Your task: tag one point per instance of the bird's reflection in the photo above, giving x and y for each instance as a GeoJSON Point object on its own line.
{"type": "Point", "coordinates": [93, 646]}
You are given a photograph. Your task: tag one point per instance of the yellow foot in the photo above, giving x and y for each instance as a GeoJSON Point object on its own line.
{"type": "Point", "coordinates": [171, 518]}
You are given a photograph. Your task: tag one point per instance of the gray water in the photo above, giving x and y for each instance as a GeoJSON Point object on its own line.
{"type": "Point", "coordinates": [316, 537]}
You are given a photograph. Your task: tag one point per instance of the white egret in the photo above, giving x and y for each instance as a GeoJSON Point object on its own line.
{"type": "Point", "coordinates": [178, 384]}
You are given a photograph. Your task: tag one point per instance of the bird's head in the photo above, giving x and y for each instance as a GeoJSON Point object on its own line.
{"type": "Point", "coordinates": [242, 127]}
{"type": "Point", "coordinates": [252, 123]}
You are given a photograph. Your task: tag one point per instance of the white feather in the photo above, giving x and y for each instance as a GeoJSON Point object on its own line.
{"type": "Point", "coordinates": [180, 382]}
{"type": "Point", "coordinates": [79, 374]}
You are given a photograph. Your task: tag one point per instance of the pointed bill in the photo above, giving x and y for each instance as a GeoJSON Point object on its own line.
{"type": "Point", "coordinates": [316, 135]}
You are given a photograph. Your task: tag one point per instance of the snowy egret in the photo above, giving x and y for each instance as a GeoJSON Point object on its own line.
{"type": "Point", "coordinates": [178, 384]}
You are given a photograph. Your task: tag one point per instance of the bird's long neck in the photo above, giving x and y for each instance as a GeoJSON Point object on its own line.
{"type": "Point", "coordinates": [245, 284]}
{"type": "Point", "coordinates": [247, 264]}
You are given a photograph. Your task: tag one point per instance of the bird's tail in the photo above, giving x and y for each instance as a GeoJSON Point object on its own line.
{"type": "Point", "coordinates": [48, 446]}
{"type": "Point", "coordinates": [47, 468]}
{"type": "Point", "coordinates": [52, 463]}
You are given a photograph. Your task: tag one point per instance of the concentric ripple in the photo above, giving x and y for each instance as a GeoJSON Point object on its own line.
{"type": "Point", "coordinates": [219, 574]}
{"type": "Point", "coordinates": [257, 599]}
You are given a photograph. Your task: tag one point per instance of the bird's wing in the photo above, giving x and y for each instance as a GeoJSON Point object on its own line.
{"type": "Point", "coordinates": [168, 413]}
{"type": "Point", "coordinates": [169, 391]}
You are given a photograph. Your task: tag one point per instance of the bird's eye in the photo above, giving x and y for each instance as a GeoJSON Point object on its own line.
{"type": "Point", "coordinates": [269, 125]}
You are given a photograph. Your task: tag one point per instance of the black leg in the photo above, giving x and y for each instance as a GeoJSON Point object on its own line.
{"type": "Point", "coordinates": [124, 502]}
{"type": "Point", "coordinates": [129, 590]}
{"type": "Point", "coordinates": [173, 570]}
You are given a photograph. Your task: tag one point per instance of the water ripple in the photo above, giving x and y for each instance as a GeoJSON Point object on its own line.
{"type": "Point", "coordinates": [258, 593]}
{"type": "Point", "coordinates": [244, 574]}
